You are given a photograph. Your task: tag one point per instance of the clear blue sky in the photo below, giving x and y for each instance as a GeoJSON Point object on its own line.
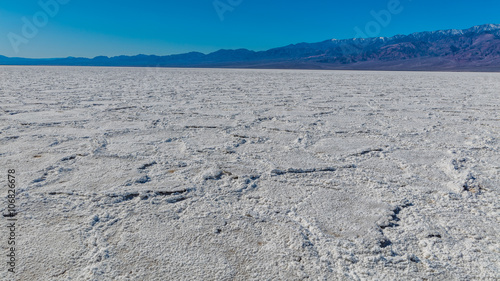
{"type": "Point", "coordinates": [88, 28]}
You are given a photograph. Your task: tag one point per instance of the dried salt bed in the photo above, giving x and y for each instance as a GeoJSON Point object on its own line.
{"type": "Point", "coordinates": [211, 174]}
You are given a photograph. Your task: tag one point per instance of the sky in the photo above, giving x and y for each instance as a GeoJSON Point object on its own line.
{"type": "Point", "coordinates": [89, 28]}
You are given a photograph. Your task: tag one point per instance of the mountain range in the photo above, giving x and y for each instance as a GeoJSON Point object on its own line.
{"type": "Point", "coordinates": [473, 49]}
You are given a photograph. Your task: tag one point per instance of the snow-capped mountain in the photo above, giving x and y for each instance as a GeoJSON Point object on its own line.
{"type": "Point", "coordinates": [473, 49]}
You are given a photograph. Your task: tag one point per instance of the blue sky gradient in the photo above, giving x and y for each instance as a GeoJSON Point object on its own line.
{"type": "Point", "coordinates": [91, 28]}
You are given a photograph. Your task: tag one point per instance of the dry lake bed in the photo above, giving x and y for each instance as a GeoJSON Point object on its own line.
{"type": "Point", "coordinates": [213, 174]}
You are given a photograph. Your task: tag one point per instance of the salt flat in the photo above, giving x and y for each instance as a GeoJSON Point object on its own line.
{"type": "Point", "coordinates": [211, 174]}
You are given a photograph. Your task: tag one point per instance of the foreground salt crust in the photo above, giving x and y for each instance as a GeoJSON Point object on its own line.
{"type": "Point", "coordinates": [192, 174]}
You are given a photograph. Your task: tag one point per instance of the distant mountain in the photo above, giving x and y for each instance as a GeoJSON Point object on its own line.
{"type": "Point", "coordinates": [473, 49]}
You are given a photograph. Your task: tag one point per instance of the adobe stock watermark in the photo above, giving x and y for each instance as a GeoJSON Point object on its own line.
{"type": "Point", "coordinates": [223, 6]}
{"type": "Point", "coordinates": [31, 27]}
{"type": "Point", "coordinates": [381, 19]}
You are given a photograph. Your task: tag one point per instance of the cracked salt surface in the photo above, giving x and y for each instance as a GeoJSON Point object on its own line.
{"type": "Point", "coordinates": [193, 174]}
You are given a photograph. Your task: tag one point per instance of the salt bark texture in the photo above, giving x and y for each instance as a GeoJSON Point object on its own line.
{"type": "Point", "coordinates": [212, 174]}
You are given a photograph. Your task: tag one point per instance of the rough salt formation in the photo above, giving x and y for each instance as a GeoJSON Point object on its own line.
{"type": "Point", "coordinates": [191, 174]}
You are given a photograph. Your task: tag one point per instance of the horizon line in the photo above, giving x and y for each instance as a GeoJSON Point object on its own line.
{"type": "Point", "coordinates": [242, 48]}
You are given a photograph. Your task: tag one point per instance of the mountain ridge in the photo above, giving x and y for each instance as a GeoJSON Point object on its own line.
{"type": "Point", "coordinates": [473, 49]}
